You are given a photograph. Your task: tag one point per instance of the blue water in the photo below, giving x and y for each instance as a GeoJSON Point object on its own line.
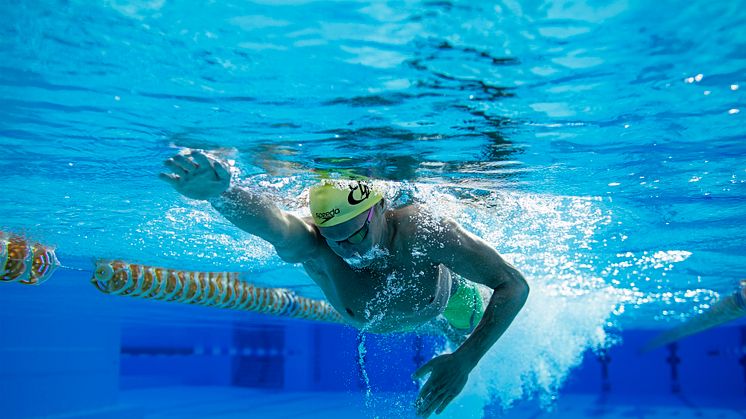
{"type": "Point", "coordinates": [599, 146]}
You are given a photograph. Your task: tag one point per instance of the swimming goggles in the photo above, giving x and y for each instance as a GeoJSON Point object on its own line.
{"type": "Point", "coordinates": [360, 234]}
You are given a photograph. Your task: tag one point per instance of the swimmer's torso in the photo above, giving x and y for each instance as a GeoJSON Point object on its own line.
{"type": "Point", "coordinates": [387, 300]}
{"type": "Point", "coordinates": [402, 292]}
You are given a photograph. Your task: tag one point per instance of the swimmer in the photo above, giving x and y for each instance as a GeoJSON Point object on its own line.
{"type": "Point", "coordinates": [383, 269]}
{"type": "Point", "coordinates": [726, 309]}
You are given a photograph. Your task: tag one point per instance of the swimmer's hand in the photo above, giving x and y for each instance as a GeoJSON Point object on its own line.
{"type": "Point", "coordinates": [197, 175]}
{"type": "Point", "coordinates": [448, 375]}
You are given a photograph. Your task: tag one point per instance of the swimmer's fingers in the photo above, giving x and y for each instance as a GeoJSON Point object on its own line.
{"type": "Point", "coordinates": [185, 161]}
{"type": "Point", "coordinates": [424, 396]}
{"type": "Point", "coordinates": [427, 389]}
{"type": "Point", "coordinates": [175, 166]}
{"type": "Point", "coordinates": [169, 178]}
{"type": "Point", "coordinates": [200, 158]}
{"type": "Point", "coordinates": [431, 402]}
{"type": "Point", "coordinates": [221, 172]}
{"type": "Point", "coordinates": [427, 397]}
{"type": "Point", "coordinates": [448, 399]}
{"type": "Point", "coordinates": [435, 402]}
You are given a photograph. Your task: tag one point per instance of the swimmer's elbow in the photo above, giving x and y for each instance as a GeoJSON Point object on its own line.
{"type": "Point", "coordinates": [518, 285]}
{"type": "Point", "coordinates": [510, 284]}
{"type": "Point", "coordinates": [524, 289]}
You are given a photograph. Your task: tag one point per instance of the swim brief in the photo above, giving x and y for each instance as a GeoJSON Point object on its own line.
{"type": "Point", "coordinates": [465, 307]}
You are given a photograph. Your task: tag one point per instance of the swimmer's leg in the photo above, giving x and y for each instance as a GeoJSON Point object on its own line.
{"type": "Point", "coordinates": [726, 309]}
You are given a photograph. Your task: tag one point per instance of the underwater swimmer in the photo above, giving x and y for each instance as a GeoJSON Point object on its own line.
{"type": "Point", "coordinates": [382, 269]}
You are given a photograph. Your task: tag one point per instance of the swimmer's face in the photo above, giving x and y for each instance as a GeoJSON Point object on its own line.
{"type": "Point", "coordinates": [357, 236]}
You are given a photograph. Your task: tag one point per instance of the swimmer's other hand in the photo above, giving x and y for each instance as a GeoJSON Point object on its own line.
{"type": "Point", "coordinates": [448, 376]}
{"type": "Point", "coordinates": [197, 175]}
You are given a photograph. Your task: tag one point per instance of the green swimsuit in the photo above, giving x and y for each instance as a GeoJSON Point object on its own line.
{"type": "Point", "coordinates": [465, 307]}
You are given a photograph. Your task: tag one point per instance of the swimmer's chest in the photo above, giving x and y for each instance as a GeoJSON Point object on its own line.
{"type": "Point", "coordinates": [397, 292]}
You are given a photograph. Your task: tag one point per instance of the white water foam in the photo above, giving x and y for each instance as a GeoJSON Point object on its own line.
{"type": "Point", "coordinates": [375, 254]}
{"type": "Point", "coordinates": [548, 239]}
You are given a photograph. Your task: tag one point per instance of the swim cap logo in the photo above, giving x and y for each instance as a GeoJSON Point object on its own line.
{"type": "Point", "coordinates": [363, 193]}
{"type": "Point", "coordinates": [326, 216]}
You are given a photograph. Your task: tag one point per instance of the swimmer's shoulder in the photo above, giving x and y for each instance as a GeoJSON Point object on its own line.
{"type": "Point", "coordinates": [407, 214]}
{"type": "Point", "coordinates": [416, 214]}
{"type": "Point", "coordinates": [414, 223]}
{"type": "Point", "coordinates": [295, 254]}
{"type": "Point", "coordinates": [404, 218]}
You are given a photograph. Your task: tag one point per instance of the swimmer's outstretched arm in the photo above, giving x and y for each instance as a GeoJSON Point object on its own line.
{"type": "Point", "coordinates": [475, 260]}
{"type": "Point", "coordinates": [198, 175]}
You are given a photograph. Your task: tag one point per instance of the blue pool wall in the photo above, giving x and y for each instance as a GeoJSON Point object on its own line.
{"type": "Point", "coordinates": [66, 347]}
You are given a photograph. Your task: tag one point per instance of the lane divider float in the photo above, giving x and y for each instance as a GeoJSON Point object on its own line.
{"type": "Point", "coordinates": [25, 262]}
{"type": "Point", "coordinates": [28, 263]}
{"type": "Point", "coordinates": [215, 289]}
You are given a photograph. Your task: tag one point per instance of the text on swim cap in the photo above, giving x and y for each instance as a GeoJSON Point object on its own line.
{"type": "Point", "coordinates": [326, 216]}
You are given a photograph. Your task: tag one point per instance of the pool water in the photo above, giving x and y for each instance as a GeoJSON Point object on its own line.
{"type": "Point", "coordinates": [597, 145]}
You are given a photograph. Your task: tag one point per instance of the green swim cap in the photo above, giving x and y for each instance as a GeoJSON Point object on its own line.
{"type": "Point", "coordinates": [335, 203]}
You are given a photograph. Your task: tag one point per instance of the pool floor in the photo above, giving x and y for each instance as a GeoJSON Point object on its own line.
{"type": "Point", "coordinates": [234, 403]}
